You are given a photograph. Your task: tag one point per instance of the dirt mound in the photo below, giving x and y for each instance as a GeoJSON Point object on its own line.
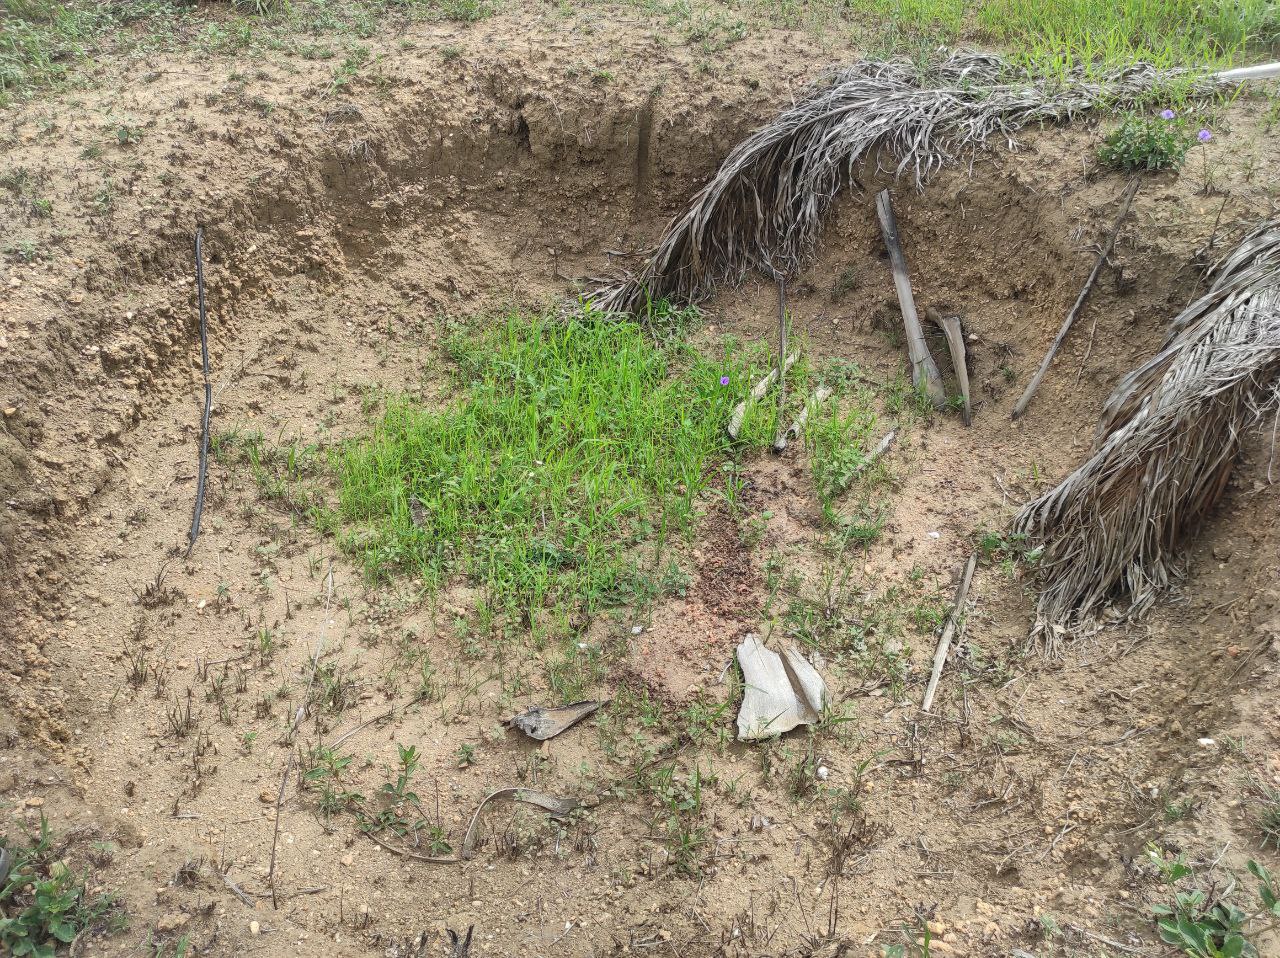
{"type": "Point", "coordinates": [345, 225]}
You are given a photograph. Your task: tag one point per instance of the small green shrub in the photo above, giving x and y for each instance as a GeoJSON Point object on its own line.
{"type": "Point", "coordinates": [43, 904]}
{"type": "Point", "coordinates": [838, 446]}
{"type": "Point", "coordinates": [1147, 143]}
{"type": "Point", "coordinates": [1207, 924]}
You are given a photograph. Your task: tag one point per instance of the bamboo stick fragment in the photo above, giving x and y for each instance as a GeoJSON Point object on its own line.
{"type": "Point", "coordinates": [1125, 201]}
{"type": "Point", "coordinates": [881, 448]}
{"type": "Point", "coordinates": [757, 392]}
{"type": "Point", "coordinates": [950, 326]}
{"type": "Point", "coordinates": [782, 363]}
{"type": "Point", "coordinates": [820, 395]}
{"type": "Point", "coordinates": [1260, 71]}
{"type": "Point", "coordinates": [948, 632]}
{"type": "Point", "coordinates": [924, 371]}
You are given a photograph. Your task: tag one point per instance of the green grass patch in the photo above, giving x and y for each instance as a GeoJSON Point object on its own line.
{"type": "Point", "coordinates": [1056, 35]}
{"type": "Point", "coordinates": [45, 43]}
{"type": "Point", "coordinates": [572, 443]}
{"type": "Point", "coordinates": [43, 904]}
{"type": "Point", "coordinates": [1052, 37]}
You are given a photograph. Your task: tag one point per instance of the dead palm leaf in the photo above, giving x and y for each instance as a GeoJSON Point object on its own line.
{"type": "Point", "coordinates": [1165, 448]}
{"type": "Point", "coordinates": [763, 208]}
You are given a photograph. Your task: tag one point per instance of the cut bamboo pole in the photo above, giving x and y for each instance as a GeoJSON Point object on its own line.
{"type": "Point", "coordinates": [1260, 71]}
{"type": "Point", "coordinates": [924, 371]}
{"type": "Point", "coordinates": [948, 632]}
{"type": "Point", "coordinates": [820, 395]}
{"type": "Point", "coordinates": [1126, 201]}
{"type": "Point", "coordinates": [950, 325]}
{"type": "Point", "coordinates": [757, 392]}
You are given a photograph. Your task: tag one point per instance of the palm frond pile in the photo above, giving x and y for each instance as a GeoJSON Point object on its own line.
{"type": "Point", "coordinates": [1165, 448]}
{"type": "Point", "coordinates": [763, 208]}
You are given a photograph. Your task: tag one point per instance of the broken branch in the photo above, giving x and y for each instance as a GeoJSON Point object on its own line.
{"type": "Point", "coordinates": [948, 632]}
{"type": "Point", "coordinates": [1103, 254]}
{"type": "Point", "coordinates": [198, 511]}
{"type": "Point", "coordinates": [779, 440]}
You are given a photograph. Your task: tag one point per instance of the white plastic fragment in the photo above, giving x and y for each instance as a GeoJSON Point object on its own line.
{"type": "Point", "coordinates": [781, 691]}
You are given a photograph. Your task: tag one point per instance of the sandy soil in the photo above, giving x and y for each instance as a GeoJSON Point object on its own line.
{"type": "Point", "coordinates": [467, 169]}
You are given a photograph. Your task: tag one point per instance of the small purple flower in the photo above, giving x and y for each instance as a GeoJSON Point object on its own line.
{"type": "Point", "coordinates": [1167, 114]}
{"type": "Point", "coordinates": [1204, 136]}
{"type": "Point", "coordinates": [724, 380]}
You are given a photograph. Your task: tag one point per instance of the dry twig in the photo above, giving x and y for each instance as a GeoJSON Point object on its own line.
{"type": "Point", "coordinates": [198, 511]}
{"type": "Point", "coordinates": [948, 633]}
{"type": "Point", "coordinates": [1126, 200]}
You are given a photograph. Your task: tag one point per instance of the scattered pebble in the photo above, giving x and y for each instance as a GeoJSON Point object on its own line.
{"type": "Point", "coordinates": [254, 928]}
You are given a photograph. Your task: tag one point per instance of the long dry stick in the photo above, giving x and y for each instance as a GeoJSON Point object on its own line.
{"type": "Point", "coordinates": [950, 325]}
{"type": "Point", "coordinates": [1126, 200]}
{"type": "Point", "coordinates": [757, 392]}
{"type": "Point", "coordinates": [208, 396]}
{"type": "Point", "coordinates": [275, 833]}
{"type": "Point", "coordinates": [924, 371]}
{"type": "Point", "coordinates": [377, 718]}
{"type": "Point", "coordinates": [948, 632]}
{"type": "Point", "coordinates": [779, 438]}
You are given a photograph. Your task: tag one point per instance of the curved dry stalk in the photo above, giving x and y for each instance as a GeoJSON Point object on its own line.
{"type": "Point", "coordinates": [1164, 451]}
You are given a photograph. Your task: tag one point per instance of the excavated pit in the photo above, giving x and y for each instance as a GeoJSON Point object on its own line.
{"type": "Point", "coordinates": [336, 261]}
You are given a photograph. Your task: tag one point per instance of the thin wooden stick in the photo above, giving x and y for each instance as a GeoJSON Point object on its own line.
{"type": "Point", "coordinates": [198, 511]}
{"type": "Point", "coordinates": [881, 448]}
{"type": "Point", "coordinates": [948, 632]}
{"type": "Point", "coordinates": [377, 718]}
{"type": "Point", "coordinates": [275, 834]}
{"type": "Point", "coordinates": [757, 392]}
{"type": "Point", "coordinates": [950, 325]}
{"type": "Point", "coordinates": [779, 439]}
{"type": "Point", "coordinates": [1126, 201]}
{"type": "Point", "coordinates": [924, 371]}
{"type": "Point", "coordinates": [796, 428]}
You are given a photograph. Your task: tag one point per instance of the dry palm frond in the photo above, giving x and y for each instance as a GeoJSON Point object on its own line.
{"type": "Point", "coordinates": [763, 208]}
{"type": "Point", "coordinates": [1165, 448]}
